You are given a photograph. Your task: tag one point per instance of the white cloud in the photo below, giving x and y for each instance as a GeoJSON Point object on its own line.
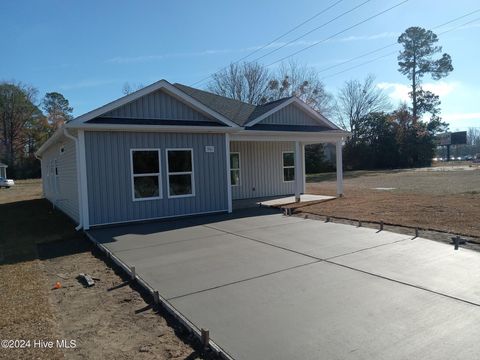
{"type": "Point", "coordinates": [87, 84]}
{"type": "Point", "coordinates": [155, 57]}
{"type": "Point", "coordinates": [383, 35]}
{"type": "Point", "coordinates": [399, 92]}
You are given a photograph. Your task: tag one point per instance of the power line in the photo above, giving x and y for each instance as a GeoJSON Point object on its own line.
{"type": "Point", "coordinates": [394, 52]}
{"type": "Point", "coordinates": [311, 31]}
{"type": "Point", "coordinates": [289, 31]}
{"type": "Point", "coordinates": [457, 18]}
{"type": "Point", "coordinates": [336, 34]}
{"type": "Point", "coordinates": [395, 43]}
{"type": "Point", "coordinates": [341, 32]}
{"type": "Point", "coordinates": [361, 64]}
{"type": "Point", "coordinates": [274, 40]}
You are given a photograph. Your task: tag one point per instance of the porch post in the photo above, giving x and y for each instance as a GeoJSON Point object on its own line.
{"type": "Point", "coordinates": [229, 180]}
{"type": "Point", "coordinates": [298, 171]}
{"type": "Point", "coordinates": [304, 176]}
{"type": "Point", "coordinates": [339, 168]}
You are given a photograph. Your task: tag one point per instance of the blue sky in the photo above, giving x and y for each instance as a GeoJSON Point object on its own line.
{"type": "Point", "coordinates": [87, 50]}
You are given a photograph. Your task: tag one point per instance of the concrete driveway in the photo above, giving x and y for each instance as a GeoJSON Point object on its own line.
{"type": "Point", "coordinates": [274, 287]}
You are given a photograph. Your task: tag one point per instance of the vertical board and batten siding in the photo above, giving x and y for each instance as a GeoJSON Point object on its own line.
{"type": "Point", "coordinates": [261, 169]}
{"type": "Point", "coordinates": [290, 115]}
{"type": "Point", "coordinates": [110, 183]}
{"type": "Point", "coordinates": [157, 105]}
{"type": "Point", "coordinates": [62, 192]}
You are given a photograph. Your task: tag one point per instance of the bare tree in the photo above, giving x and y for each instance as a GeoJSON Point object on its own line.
{"type": "Point", "coordinates": [294, 79]}
{"type": "Point", "coordinates": [473, 136]}
{"type": "Point", "coordinates": [357, 99]}
{"type": "Point", "coordinates": [128, 88]}
{"type": "Point", "coordinates": [255, 84]}
{"type": "Point", "coordinates": [246, 82]}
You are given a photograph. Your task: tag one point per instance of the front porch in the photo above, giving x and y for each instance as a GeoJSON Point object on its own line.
{"type": "Point", "coordinates": [270, 170]}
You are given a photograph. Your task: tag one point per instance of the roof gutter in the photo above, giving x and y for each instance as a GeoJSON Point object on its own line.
{"type": "Point", "coordinates": [79, 178]}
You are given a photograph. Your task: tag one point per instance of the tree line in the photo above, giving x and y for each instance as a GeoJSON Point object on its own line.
{"type": "Point", "coordinates": [25, 123]}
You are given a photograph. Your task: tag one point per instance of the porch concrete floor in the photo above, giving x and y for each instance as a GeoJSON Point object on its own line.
{"type": "Point", "coordinates": [274, 287]}
{"type": "Point", "coordinates": [291, 200]}
{"type": "Point", "coordinates": [275, 201]}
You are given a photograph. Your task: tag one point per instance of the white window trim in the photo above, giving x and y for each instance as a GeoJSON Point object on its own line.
{"type": "Point", "coordinates": [191, 173]}
{"type": "Point", "coordinates": [288, 167]}
{"type": "Point", "coordinates": [239, 169]}
{"type": "Point", "coordinates": [159, 174]}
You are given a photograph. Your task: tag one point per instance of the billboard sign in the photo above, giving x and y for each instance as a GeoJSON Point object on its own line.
{"type": "Point", "coordinates": [455, 138]}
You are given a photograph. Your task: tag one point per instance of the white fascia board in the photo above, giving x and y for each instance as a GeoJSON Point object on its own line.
{"type": "Point", "coordinates": [162, 84]}
{"type": "Point", "coordinates": [317, 116]}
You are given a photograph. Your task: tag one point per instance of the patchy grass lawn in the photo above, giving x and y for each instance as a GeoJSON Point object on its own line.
{"type": "Point", "coordinates": [443, 198]}
{"type": "Point", "coordinates": [111, 320]}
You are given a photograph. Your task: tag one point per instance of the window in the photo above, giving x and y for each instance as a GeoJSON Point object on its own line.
{"type": "Point", "coordinates": [235, 169]}
{"type": "Point", "coordinates": [56, 181]}
{"type": "Point", "coordinates": [146, 182]}
{"type": "Point", "coordinates": [288, 166]}
{"type": "Point", "coordinates": [180, 172]}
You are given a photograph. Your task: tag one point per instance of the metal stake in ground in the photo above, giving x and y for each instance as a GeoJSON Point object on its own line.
{"type": "Point", "coordinates": [205, 338]}
{"type": "Point", "coordinates": [132, 273]}
{"type": "Point", "coordinates": [156, 297]}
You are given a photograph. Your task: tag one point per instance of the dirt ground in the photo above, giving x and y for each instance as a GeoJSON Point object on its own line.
{"type": "Point", "coordinates": [442, 198]}
{"type": "Point", "coordinates": [111, 320]}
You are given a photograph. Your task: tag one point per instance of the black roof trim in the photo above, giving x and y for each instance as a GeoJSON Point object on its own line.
{"type": "Point", "coordinates": [119, 121]}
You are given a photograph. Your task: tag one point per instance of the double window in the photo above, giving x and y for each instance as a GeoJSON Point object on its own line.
{"type": "Point", "coordinates": [180, 173]}
{"type": "Point", "coordinates": [235, 168]}
{"type": "Point", "coordinates": [146, 173]}
{"type": "Point", "coordinates": [288, 166]}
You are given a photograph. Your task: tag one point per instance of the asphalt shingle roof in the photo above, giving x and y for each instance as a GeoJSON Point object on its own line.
{"type": "Point", "coordinates": [237, 111]}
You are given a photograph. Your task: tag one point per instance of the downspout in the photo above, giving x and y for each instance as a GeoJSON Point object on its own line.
{"type": "Point", "coordinates": [79, 188]}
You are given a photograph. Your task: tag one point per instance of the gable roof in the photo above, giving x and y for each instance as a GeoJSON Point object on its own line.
{"type": "Point", "coordinates": [162, 84]}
